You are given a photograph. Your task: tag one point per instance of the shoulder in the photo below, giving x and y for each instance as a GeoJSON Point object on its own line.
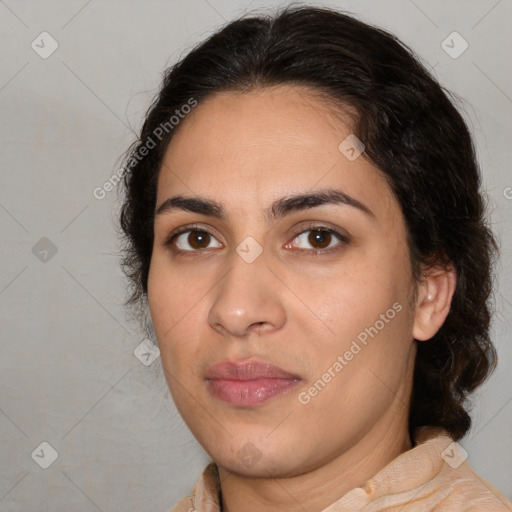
{"type": "Point", "coordinates": [184, 505]}
{"type": "Point", "coordinates": [437, 473]}
{"type": "Point", "coordinates": [470, 492]}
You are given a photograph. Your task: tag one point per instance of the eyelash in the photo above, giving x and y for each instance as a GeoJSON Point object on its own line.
{"type": "Point", "coordinates": [312, 227]}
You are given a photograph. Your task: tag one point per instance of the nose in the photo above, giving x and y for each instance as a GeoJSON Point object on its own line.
{"type": "Point", "coordinates": [248, 300]}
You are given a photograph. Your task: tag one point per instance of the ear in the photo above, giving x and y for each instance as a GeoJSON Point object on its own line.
{"type": "Point", "coordinates": [435, 294]}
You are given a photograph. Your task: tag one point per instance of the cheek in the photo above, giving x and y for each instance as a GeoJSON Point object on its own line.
{"type": "Point", "coordinates": [166, 302]}
{"type": "Point", "coordinates": [177, 306]}
{"type": "Point", "coordinates": [172, 296]}
{"type": "Point", "coordinates": [168, 323]}
{"type": "Point", "coordinates": [370, 322]}
{"type": "Point", "coordinates": [353, 300]}
{"type": "Point", "coordinates": [369, 337]}
{"type": "Point", "coordinates": [357, 378]}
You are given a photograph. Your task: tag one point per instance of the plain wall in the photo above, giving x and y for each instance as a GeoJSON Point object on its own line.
{"type": "Point", "coordinates": [68, 373]}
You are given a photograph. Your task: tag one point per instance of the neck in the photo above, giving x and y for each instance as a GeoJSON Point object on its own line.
{"type": "Point", "coordinates": [319, 488]}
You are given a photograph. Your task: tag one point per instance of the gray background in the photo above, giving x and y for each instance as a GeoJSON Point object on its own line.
{"type": "Point", "coordinates": [68, 373]}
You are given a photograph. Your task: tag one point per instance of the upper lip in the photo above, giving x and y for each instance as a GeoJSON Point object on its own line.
{"type": "Point", "coordinates": [247, 369]}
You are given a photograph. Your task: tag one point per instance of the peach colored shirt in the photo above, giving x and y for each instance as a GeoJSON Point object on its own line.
{"type": "Point", "coordinates": [432, 476]}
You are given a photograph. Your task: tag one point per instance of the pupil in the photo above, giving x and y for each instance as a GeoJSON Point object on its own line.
{"type": "Point", "coordinates": [320, 237]}
{"type": "Point", "coordinates": [197, 238]}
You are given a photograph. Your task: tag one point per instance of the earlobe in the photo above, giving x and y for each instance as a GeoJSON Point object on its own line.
{"type": "Point", "coordinates": [435, 295]}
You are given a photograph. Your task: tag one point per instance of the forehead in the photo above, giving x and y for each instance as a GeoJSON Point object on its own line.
{"type": "Point", "coordinates": [262, 121]}
{"type": "Point", "coordinates": [251, 147]}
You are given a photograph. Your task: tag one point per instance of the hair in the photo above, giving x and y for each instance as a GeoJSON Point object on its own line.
{"type": "Point", "coordinates": [411, 131]}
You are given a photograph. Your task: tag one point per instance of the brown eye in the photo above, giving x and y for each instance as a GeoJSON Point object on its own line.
{"type": "Point", "coordinates": [198, 239]}
{"type": "Point", "coordinates": [320, 239]}
{"type": "Point", "coordinates": [192, 240]}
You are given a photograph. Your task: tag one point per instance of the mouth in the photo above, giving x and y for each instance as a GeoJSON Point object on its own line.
{"type": "Point", "coordinates": [249, 382]}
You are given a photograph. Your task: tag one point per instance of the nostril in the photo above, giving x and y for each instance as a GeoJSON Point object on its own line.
{"type": "Point", "coordinates": [258, 327]}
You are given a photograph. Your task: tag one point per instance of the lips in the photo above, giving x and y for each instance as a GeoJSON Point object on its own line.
{"type": "Point", "coordinates": [248, 382]}
{"type": "Point", "coordinates": [247, 369]}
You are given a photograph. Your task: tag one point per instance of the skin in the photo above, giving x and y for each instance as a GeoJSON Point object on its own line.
{"type": "Point", "coordinates": [292, 307]}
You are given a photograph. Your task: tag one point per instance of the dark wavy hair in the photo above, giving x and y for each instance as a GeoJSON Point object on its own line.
{"type": "Point", "coordinates": [412, 132]}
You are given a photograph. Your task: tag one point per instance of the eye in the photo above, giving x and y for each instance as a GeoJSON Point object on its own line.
{"type": "Point", "coordinates": [196, 239]}
{"type": "Point", "coordinates": [321, 238]}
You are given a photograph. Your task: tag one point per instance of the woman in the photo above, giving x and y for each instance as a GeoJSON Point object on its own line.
{"type": "Point", "coordinates": [303, 217]}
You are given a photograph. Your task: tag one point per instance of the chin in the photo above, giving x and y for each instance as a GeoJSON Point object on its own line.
{"type": "Point", "coordinates": [253, 462]}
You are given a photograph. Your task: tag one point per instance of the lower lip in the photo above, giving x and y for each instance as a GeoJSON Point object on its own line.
{"type": "Point", "coordinates": [249, 392]}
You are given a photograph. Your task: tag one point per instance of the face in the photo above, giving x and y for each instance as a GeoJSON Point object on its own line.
{"type": "Point", "coordinates": [284, 325]}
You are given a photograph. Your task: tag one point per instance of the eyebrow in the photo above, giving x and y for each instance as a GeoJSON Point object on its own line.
{"type": "Point", "coordinates": [278, 209]}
